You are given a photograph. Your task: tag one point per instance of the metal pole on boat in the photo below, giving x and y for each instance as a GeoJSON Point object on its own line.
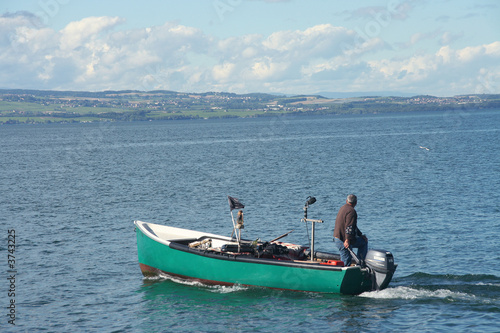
{"type": "Point", "coordinates": [312, 235]}
{"type": "Point", "coordinates": [310, 201]}
{"type": "Point", "coordinates": [312, 241]}
{"type": "Point", "coordinates": [234, 226]}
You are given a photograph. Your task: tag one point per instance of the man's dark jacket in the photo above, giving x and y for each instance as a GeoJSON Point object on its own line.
{"type": "Point", "coordinates": [346, 224]}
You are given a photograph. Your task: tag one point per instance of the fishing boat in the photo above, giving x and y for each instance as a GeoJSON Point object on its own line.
{"type": "Point", "coordinates": [222, 260]}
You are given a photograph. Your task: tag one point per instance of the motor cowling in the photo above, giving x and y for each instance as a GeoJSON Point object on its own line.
{"type": "Point", "coordinates": [382, 267]}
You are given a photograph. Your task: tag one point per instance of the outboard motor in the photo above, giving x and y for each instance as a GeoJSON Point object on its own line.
{"type": "Point", "coordinates": [382, 268]}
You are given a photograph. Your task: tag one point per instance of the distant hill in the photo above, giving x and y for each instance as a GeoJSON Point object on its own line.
{"type": "Point", "coordinates": [365, 94]}
{"type": "Point", "coordinates": [106, 93]}
{"type": "Point", "coordinates": [19, 106]}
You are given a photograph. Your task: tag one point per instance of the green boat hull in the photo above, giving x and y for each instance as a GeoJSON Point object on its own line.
{"type": "Point", "coordinates": [167, 257]}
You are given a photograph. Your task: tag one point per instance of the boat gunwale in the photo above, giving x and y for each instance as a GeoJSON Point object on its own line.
{"type": "Point", "coordinates": [146, 229]}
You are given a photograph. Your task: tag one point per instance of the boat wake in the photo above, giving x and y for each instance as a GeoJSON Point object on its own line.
{"type": "Point", "coordinates": [212, 288]}
{"type": "Point", "coordinates": [410, 293]}
{"type": "Point", "coordinates": [483, 289]}
{"type": "Point", "coordinates": [226, 289]}
{"type": "Point", "coordinates": [469, 288]}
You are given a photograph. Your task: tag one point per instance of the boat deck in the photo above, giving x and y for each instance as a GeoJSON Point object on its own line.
{"type": "Point", "coordinates": [278, 250]}
{"type": "Point", "coordinates": [221, 246]}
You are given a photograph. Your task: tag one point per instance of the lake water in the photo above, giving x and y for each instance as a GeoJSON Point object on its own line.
{"type": "Point", "coordinates": [71, 193]}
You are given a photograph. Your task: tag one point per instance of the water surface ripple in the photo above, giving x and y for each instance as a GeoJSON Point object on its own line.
{"type": "Point", "coordinates": [428, 188]}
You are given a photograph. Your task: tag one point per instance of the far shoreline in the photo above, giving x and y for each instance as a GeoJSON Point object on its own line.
{"type": "Point", "coordinates": [38, 107]}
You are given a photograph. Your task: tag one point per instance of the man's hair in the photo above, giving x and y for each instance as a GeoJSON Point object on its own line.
{"type": "Point", "coordinates": [351, 198]}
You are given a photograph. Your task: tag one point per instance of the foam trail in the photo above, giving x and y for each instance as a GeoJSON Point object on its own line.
{"type": "Point", "coordinates": [226, 289]}
{"type": "Point", "coordinates": [411, 293]}
{"type": "Point", "coordinates": [213, 288]}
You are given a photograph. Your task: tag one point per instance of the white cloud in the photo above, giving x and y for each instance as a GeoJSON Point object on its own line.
{"type": "Point", "coordinates": [94, 54]}
{"type": "Point", "coordinates": [476, 54]}
{"type": "Point", "coordinates": [492, 49]}
{"type": "Point", "coordinates": [223, 72]}
{"type": "Point", "coordinates": [78, 33]}
{"type": "Point", "coordinates": [320, 38]}
{"type": "Point", "coordinates": [448, 71]}
{"type": "Point", "coordinates": [445, 53]}
{"type": "Point", "coordinates": [447, 38]}
{"type": "Point", "coordinates": [269, 70]}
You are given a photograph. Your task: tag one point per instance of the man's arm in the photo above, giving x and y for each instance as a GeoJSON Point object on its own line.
{"type": "Point", "coordinates": [360, 234]}
{"type": "Point", "coordinates": [350, 228]}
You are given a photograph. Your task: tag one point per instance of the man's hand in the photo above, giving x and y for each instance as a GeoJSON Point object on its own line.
{"type": "Point", "coordinates": [346, 243]}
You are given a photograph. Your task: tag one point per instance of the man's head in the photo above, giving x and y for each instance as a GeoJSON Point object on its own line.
{"type": "Point", "coordinates": [352, 200]}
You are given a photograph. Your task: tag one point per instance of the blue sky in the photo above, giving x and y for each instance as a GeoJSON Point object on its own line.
{"type": "Point", "coordinates": [440, 48]}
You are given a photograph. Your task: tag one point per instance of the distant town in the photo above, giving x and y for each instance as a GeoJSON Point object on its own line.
{"type": "Point", "coordinates": [40, 106]}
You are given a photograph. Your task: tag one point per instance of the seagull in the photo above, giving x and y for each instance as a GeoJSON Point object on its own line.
{"type": "Point", "coordinates": [424, 147]}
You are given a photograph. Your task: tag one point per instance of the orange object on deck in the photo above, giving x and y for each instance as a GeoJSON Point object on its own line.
{"type": "Point", "coordinates": [333, 263]}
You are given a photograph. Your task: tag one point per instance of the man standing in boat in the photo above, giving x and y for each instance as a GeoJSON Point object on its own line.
{"type": "Point", "coordinates": [346, 233]}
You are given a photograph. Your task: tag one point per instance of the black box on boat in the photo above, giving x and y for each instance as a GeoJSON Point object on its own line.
{"type": "Point", "coordinates": [234, 248]}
